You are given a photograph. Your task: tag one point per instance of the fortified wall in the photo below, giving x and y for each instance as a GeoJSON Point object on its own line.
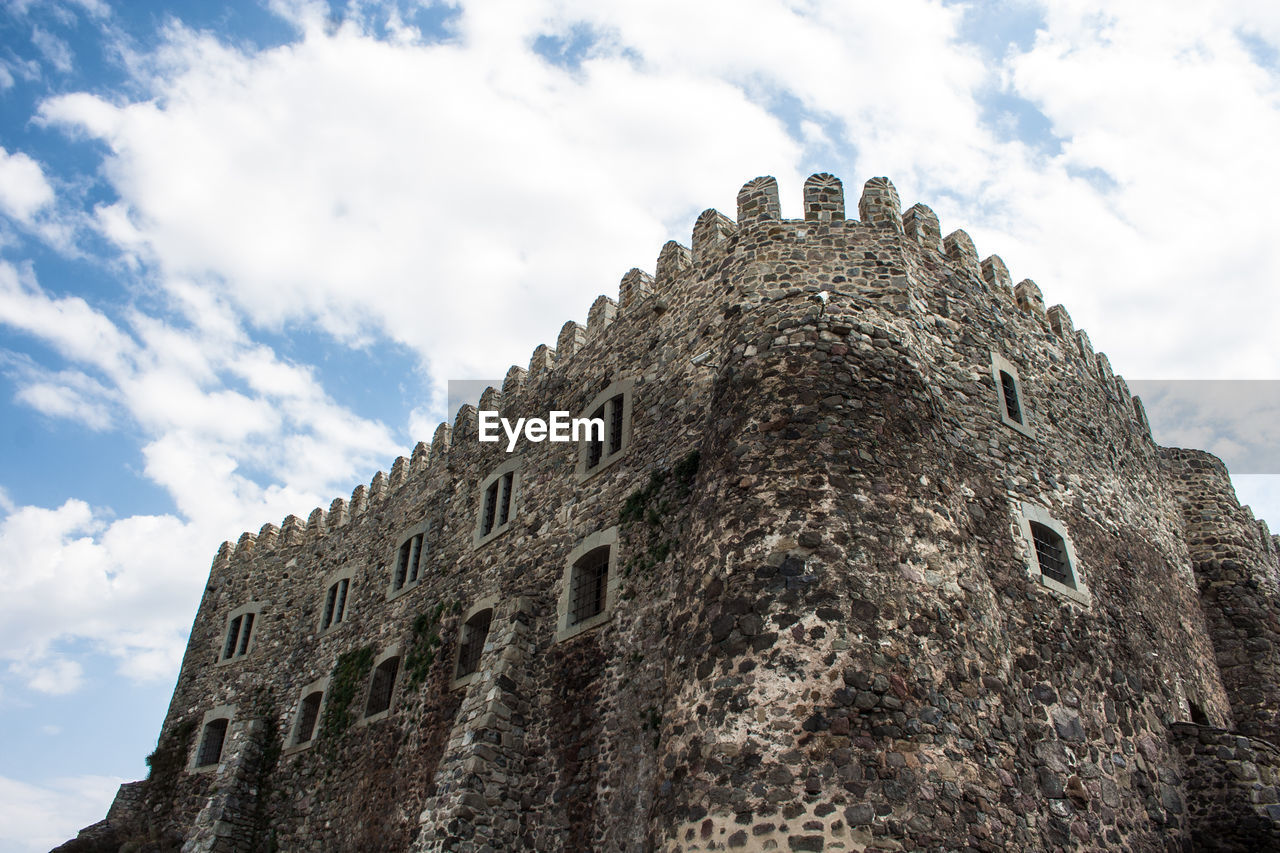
{"type": "Point", "coordinates": [876, 553]}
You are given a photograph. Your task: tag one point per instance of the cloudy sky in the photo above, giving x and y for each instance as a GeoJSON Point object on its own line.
{"type": "Point", "coordinates": [244, 245]}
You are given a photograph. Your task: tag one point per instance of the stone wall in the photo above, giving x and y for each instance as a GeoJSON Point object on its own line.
{"type": "Point", "coordinates": [1233, 786]}
{"type": "Point", "coordinates": [829, 629]}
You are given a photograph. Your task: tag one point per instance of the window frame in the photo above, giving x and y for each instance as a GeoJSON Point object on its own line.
{"type": "Point", "coordinates": [253, 609]}
{"type": "Point", "coordinates": [513, 467]}
{"type": "Point", "coordinates": [389, 654]}
{"type": "Point", "coordinates": [320, 686]}
{"type": "Point", "coordinates": [1031, 513]}
{"type": "Point", "coordinates": [489, 603]}
{"type": "Point", "coordinates": [220, 712]}
{"type": "Point", "coordinates": [625, 389]}
{"type": "Point", "coordinates": [331, 580]}
{"type": "Point", "coordinates": [565, 627]}
{"type": "Point", "coordinates": [1001, 365]}
{"type": "Point", "coordinates": [418, 530]}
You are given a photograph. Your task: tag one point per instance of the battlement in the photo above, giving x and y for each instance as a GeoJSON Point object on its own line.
{"type": "Point", "coordinates": [714, 237]}
{"type": "Point", "coordinates": [877, 551]}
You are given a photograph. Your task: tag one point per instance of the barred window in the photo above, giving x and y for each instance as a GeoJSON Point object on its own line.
{"type": "Point", "coordinates": [589, 585]}
{"type": "Point", "coordinates": [382, 686]}
{"type": "Point", "coordinates": [238, 639]}
{"type": "Point", "coordinates": [335, 604]}
{"type": "Point", "coordinates": [1009, 397]}
{"type": "Point", "coordinates": [471, 645]}
{"type": "Point", "coordinates": [308, 714]}
{"type": "Point", "coordinates": [1051, 554]}
{"type": "Point", "coordinates": [409, 562]}
{"type": "Point", "coordinates": [497, 502]}
{"type": "Point", "coordinates": [211, 740]}
{"type": "Point", "coordinates": [608, 438]}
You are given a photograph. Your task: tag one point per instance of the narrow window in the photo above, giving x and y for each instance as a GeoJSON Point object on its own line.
{"type": "Point", "coordinates": [210, 752]}
{"type": "Point", "coordinates": [615, 424]}
{"type": "Point", "coordinates": [335, 603]}
{"type": "Point", "coordinates": [233, 635]}
{"type": "Point", "coordinates": [408, 562]}
{"type": "Point", "coordinates": [384, 683]}
{"type": "Point", "coordinates": [330, 600]}
{"type": "Point", "coordinates": [307, 716]}
{"type": "Point", "coordinates": [589, 585]}
{"type": "Point", "coordinates": [504, 505]}
{"type": "Point", "coordinates": [490, 509]}
{"type": "Point", "coordinates": [246, 628]}
{"type": "Point", "coordinates": [1010, 389]}
{"type": "Point", "coordinates": [1051, 554]}
{"type": "Point", "coordinates": [1198, 716]}
{"type": "Point", "coordinates": [474, 633]}
{"type": "Point", "coordinates": [415, 557]}
{"type": "Point", "coordinates": [595, 450]}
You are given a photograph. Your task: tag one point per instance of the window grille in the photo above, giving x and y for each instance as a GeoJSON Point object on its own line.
{"type": "Point", "coordinates": [210, 752]}
{"type": "Point", "coordinates": [490, 509]}
{"type": "Point", "coordinates": [409, 561]}
{"type": "Point", "coordinates": [380, 690]}
{"type": "Point", "coordinates": [595, 449]}
{"type": "Point", "coordinates": [615, 424]}
{"type": "Point", "coordinates": [307, 717]}
{"type": "Point", "coordinates": [335, 604]}
{"type": "Point", "coordinates": [504, 503]}
{"type": "Point", "coordinates": [589, 586]}
{"type": "Point", "coordinates": [474, 634]}
{"type": "Point", "coordinates": [233, 635]}
{"type": "Point", "coordinates": [1051, 554]}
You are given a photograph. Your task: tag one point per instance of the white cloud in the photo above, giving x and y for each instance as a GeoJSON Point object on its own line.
{"type": "Point", "coordinates": [24, 191]}
{"type": "Point", "coordinates": [34, 818]}
{"type": "Point", "coordinates": [55, 51]}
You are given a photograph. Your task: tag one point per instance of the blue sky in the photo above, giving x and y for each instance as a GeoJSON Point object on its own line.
{"type": "Point", "coordinates": [243, 247]}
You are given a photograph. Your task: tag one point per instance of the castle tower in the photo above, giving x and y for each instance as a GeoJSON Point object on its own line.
{"type": "Point", "coordinates": [874, 553]}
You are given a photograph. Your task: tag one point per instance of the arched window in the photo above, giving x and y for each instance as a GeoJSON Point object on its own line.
{"type": "Point", "coordinates": [590, 584]}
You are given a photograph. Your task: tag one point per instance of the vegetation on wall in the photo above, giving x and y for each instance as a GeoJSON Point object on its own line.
{"type": "Point", "coordinates": [651, 504]}
{"type": "Point", "coordinates": [349, 675]}
{"type": "Point", "coordinates": [422, 647]}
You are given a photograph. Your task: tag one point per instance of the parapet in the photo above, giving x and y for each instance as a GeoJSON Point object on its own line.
{"type": "Point", "coordinates": [758, 199]}
{"type": "Point", "coordinates": [921, 224]}
{"type": "Point", "coordinates": [880, 205]}
{"type": "Point", "coordinates": [823, 198]}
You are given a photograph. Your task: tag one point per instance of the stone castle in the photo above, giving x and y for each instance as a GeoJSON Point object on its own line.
{"type": "Point", "coordinates": [875, 554]}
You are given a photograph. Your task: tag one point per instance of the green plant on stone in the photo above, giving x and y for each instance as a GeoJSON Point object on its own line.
{"type": "Point", "coordinates": [349, 675]}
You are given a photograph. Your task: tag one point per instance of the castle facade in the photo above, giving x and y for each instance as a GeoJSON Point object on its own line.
{"type": "Point", "coordinates": [873, 553]}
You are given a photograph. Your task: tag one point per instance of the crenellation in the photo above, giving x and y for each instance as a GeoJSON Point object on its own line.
{"type": "Point", "coordinates": [879, 205]}
{"type": "Point", "coordinates": [572, 338]}
{"type": "Point", "coordinates": [634, 287]}
{"type": "Point", "coordinates": [710, 233]}
{"type": "Point", "coordinates": [542, 361]}
{"type": "Point", "coordinates": [673, 260]}
{"type": "Point", "coordinates": [996, 274]}
{"type": "Point", "coordinates": [399, 474]}
{"type": "Point", "coordinates": [758, 200]}
{"type": "Point", "coordinates": [1060, 322]}
{"type": "Point", "coordinates": [823, 198]}
{"type": "Point", "coordinates": [359, 500]}
{"type": "Point", "coordinates": [921, 224]}
{"type": "Point", "coordinates": [490, 400]}
{"type": "Point", "coordinates": [1027, 293]}
{"type": "Point", "coordinates": [378, 488]}
{"type": "Point", "coordinates": [316, 522]}
{"type": "Point", "coordinates": [268, 536]}
{"type": "Point", "coordinates": [420, 459]}
{"type": "Point", "coordinates": [958, 246]}
{"type": "Point", "coordinates": [877, 568]}
{"type": "Point", "coordinates": [600, 317]}
{"type": "Point", "coordinates": [465, 425]}
{"type": "Point", "coordinates": [291, 530]}
{"type": "Point", "coordinates": [440, 440]}
{"type": "Point", "coordinates": [337, 515]}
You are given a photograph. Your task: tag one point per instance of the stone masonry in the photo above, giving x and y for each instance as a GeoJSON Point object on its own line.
{"type": "Point", "coordinates": [878, 555]}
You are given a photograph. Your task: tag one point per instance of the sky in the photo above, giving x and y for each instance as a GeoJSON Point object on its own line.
{"type": "Point", "coordinates": [245, 245]}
